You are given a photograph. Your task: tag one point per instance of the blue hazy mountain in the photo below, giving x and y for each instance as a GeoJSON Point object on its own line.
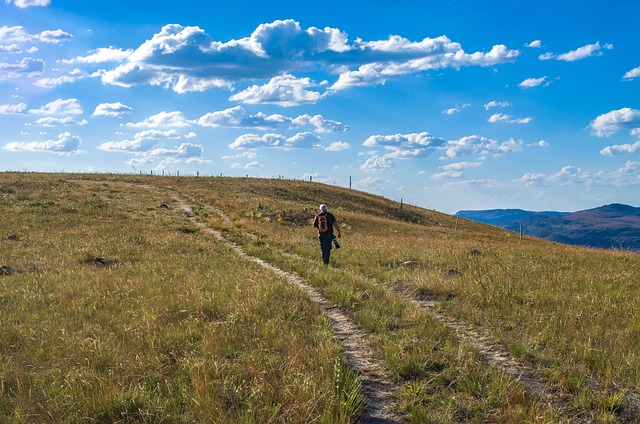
{"type": "Point", "coordinates": [609, 226]}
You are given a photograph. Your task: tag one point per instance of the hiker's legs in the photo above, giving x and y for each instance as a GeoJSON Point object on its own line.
{"type": "Point", "coordinates": [325, 248]}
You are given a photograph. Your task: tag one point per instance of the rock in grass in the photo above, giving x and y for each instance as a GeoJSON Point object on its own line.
{"type": "Point", "coordinates": [6, 270]}
{"type": "Point", "coordinates": [451, 273]}
{"type": "Point", "coordinates": [13, 237]}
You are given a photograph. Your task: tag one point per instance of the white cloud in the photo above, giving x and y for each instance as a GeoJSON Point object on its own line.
{"type": "Point", "coordinates": [237, 117]}
{"type": "Point", "coordinates": [304, 140]}
{"type": "Point", "coordinates": [66, 144]}
{"type": "Point", "coordinates": [12, 109]}
{"type": "Point", "coordinates": [584, 52]}
{"type": "Point", "coordinates": [187, 59]}
{"type": "Point", "coordinates": [456, 109]}
{"type": "Point", "coordinates": [22, 4]}
{"type": "Point", "coordinates": [569, 175]}
{"type": "Point", "coordinates": [482, 183]}
{"type": "Point", "coordinates": [285, 90]}
{"type": "Point", "coordinates": [28, 67]}
{"type": "Point", "coordinates": [142, 142]}
{"type": "Point", "coordinates": [534, 82]}
{"type": "Point", "coordinates": [17, 34]}
{"type": "Point", "coordinates": [501, 117]}
{"type": "Point", "coordinates": [405, 145]}
{"type": "Point", "coordinates": [112, 109]}
{"type": "Point", "coordinates": [252, 141]}
{"type": "Point", "coordinates": [247, 154]}
{"type": "Point", "coordinates": [251, 165]}
{"type": "Point", "coordinates": [101, 55]}
{"type": "Point", "coordinates": [51, 121]}
{"type": "Point", "coordinates": [338, 146]}
{"type": "Point", "coordinates": [632, 74]}
{"type": "Point", "coordinates": [615, 120]}
{"type": "Point", "coordinates": [580, 53]}
{"type": "Point", "coordinates": [185, 150]}
{"type": "Point", "coordinates": [536, 44]}
{"type": "Point", "coordinates": [454, 170]}
{"type": "Point", "coordinates": [163, 119]}
{"type": "Point", "coordinates": [322, 125]}
{"type": "Point", "coordinates": [54, 82]}
{"type": "Point", "coordinates": [480, 145]}
{"type": "Point", "coordinates": [371, 183]}
{"type": "Point", "coordinates": [494, 103]}
{"type": "Point", "coordinates": [377, 164]}
{"type": "Point", "coordinates": [60, 107]}
{"type": "Point", "coordinates": [621, 149]}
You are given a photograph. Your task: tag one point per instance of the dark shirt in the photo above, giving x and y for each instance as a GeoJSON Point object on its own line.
{"type": "Point", "coordinates": [330, 221]}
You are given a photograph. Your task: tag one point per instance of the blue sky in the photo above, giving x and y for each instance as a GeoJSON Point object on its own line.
{"type": "Point", "coordinates": [448, 105]}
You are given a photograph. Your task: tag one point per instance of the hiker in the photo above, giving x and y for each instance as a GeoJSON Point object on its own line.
{"type": "Point", "coordinates": [325, 222]}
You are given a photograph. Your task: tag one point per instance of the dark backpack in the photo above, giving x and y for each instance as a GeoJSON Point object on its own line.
{"type": "Point", "coordinates": [323, 223]}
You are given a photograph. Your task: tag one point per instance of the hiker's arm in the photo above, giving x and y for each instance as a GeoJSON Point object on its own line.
{"type": "Point", "coordinates": [315, 222]}
{"type": "Point", "coordinates": [335, 225]}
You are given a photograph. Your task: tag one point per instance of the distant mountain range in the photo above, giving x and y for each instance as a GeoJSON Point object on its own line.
{"type": "Point", "coordinates": [609, 226]}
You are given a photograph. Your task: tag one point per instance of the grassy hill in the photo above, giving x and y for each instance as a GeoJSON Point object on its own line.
{"type": "Point", "coordinates": [117, 306]}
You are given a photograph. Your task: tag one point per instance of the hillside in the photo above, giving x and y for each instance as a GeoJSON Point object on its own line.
{"type": "Point", "coordinates": [132, 298]}
{"type": "Point", "coordinates": [611, 226]}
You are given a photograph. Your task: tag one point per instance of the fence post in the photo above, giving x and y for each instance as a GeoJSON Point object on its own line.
{"type": "Point", "coordinates": [520, 231]}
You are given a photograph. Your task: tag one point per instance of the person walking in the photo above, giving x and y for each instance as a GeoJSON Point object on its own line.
{"type": "Point", "coordinates": [325, 222]}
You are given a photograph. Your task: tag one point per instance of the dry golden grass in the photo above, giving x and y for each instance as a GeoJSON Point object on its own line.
{"type": "Point", "coordinates": [216, 339]}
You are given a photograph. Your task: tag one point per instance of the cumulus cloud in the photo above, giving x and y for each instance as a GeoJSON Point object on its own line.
{"type": "Point", "coordinates": [535, 82]}
{"type": "Point", "coordinates": [377, 164]}
{"type": "Point", "coordinates": [632, 74]}
{"type": "Point", "coordinates": [253, 141]}
{"type": "Point", "coordinates": [402, 146]}
{"type": "Point", "coordinates": [101, 55]}
{"type": "Point", "coordinates": [321, 124]}
{"type": "Point", "coordinates": [54, 82]}
{"type": "Point", "coordinates": [60, 107]}
{"type": "Point", "coordinates": [494, 103]}
{"type": "Point", "coordinates": [142, 142]}
{"type": "Point", "coordinates": [52, 121]}
{"type": "Point", "coordinates": [237, 117]}
{"type": "Point", "coordinates": [112, 109]}
{"type": "Point", "coordinates": [627, 175]}
{"type": "Point", "coordinates": [454, 170]}
{"type": "Point", "coordinates": [17, 34]}
{"type": "Point", "coordinates": [251, 165]}
{"type": "Point", "coordinates": [188, 59]}
{"type": "Point", "coordinates": [480, 145]}
{"type": "Point", "coordinates": [615, 120]}
{"type": "Point", "coordinates": [454, 110]}
{"type": "Point", "coordinates": [65, 145]}
{"type": "Point", "coordinates": [337, 146]}
{"type": "Point", "coordinates": [163, 119]}
{"type": "Point", "coordinates": [13, 109]}
{"type": "Point", "coordinates": [584, 52]}
{"type": "Point", "coordinates": [22, 4]}
{"type": "Point", "coordinates": [535, 44]}
{"type": "Point", "coordinates": [28, 67]}
{"type": "Point", "coordinates": [304, 140]}
{"type": "Point", "coordinates": [621, 149]}
{"type": "Point", "coordinates": [580, 53]}
{"type": "Point", "coordinates": [501, 117]}
{"type": "Point", "coordinates": [285, 90]}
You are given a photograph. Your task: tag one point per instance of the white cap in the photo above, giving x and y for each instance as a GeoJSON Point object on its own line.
{"type": "Point", "coordinates": [323, 207]}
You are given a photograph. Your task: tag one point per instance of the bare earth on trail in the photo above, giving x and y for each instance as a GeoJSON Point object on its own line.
{"type": "Point", "coordinates": [379, 386]}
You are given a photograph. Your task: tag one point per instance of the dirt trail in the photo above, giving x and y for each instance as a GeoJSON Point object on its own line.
{"type": "Point", "coordinates": [379, 386]}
